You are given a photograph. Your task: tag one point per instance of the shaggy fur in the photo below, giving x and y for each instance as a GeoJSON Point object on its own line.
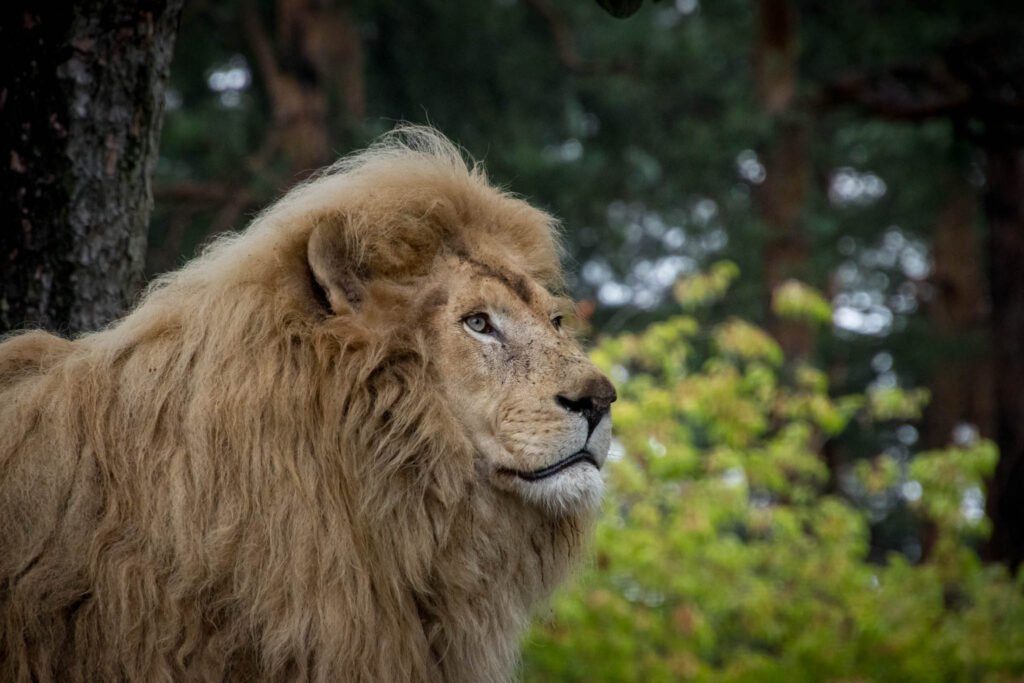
{"type": "Point", "coordinates": [253, 477]}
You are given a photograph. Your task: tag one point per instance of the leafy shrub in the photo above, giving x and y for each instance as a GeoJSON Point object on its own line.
{"type": "Point", "coordinates": [722, 556]}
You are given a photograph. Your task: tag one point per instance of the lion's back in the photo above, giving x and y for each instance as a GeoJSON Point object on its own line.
{"type": "Point", "coordinates": [28, 396]}
{"type": "Point", "coordinates": [47, 493]}
{"type": "Point", "coordinates": [28, 354]}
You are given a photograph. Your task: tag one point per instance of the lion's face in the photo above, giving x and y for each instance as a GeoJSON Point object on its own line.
{"type": "Point", "coordinates": [533, 405]}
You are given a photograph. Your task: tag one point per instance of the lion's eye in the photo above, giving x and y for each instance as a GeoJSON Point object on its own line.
{"type": "Point", "coordinates": [479, 323]}
{"type": "Point", "coordinates": [557, 322]}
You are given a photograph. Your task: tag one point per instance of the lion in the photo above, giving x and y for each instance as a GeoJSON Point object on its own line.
{"type": "Point", "coordinates": [352, 442]}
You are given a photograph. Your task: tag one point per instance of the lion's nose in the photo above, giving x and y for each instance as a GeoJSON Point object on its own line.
{"type": "Point", "coordinates": [591, 401]}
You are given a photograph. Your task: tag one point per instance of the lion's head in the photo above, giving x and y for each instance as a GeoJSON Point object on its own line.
{"type": "Point", "coordinates": [534, 407]}
{"type": "Point", "coordinates": [475, 273]}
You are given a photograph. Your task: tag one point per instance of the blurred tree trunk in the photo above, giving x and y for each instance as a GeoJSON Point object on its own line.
{"type": "Point", "coordinates": [782, 195]}
{"type": "Point", "coordinates": [317, 46]}
{"type": "Point", "coordinates": [1004, 205]}
{"type": "Point", "coordinates": [962, 385]}
{"type": "Point", "coordinates": [81, 100]}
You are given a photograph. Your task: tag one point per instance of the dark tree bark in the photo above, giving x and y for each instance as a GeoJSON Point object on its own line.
{"type": "Point", "coordinates": [783, 194]}
{"type": "Point", "coordinates": [1004, 204]}
{"type": "Point", "coordinates": [81, 100]}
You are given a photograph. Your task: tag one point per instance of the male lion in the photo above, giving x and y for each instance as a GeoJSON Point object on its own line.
{"type": "Point", "coordinates": [350, 443]}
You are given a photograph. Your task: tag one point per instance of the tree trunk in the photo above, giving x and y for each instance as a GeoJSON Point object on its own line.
{"type": "Point", "coordinates": [1004, 204]}
{"type": "Point", "coordinates": [961, 383]}
{"type": "Point", "coordinates": [317, 46]}
{"type": "Point", "coordinates": [81, 101]}
{"type": "Point", "coordinates": [782, 195]}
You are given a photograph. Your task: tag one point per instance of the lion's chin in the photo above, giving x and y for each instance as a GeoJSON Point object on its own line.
{"type": "Point", "coordinates": [573, 490]}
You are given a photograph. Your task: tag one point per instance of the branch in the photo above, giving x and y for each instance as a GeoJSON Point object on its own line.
{"type": "Point", "coordinates": [620, 9]}
{"type": "Point", "coordinates": [254, 164]}
{"type": "Point", "coordinates": [904, 92]}
{"type": "Point", "coordinates": [256, 35]}
{"type": "Point", "coordinates": [975, 82]}
{"type": "Point", "coordinates": [233, 198]}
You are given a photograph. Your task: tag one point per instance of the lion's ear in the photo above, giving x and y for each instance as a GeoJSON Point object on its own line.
{"type": "Point", "coordinates": [336, 268]}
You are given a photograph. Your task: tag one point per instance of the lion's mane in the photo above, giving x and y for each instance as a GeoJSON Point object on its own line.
{"type": "Point", "coordinates": [230, 484]}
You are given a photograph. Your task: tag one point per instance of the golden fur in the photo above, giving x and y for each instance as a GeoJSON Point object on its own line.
{"type": "Point", "coordinates": [271, 469]}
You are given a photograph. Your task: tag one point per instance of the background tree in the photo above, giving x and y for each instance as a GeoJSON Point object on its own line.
{"type": "Point", "coordinates": [81, 99]}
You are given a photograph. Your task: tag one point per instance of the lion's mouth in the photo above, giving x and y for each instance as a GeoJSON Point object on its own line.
{"type": "Point", "coordinates": [554, 468]}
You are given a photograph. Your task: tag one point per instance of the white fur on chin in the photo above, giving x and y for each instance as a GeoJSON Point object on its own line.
{"type": "Point", "coordinates": [576, 489]}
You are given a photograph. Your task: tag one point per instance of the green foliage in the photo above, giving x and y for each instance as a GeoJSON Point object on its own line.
{"type": "Point", "coordinates": [796, 301]}
{"type": "Point", "coordinates": [946, 477]}
{"type": "Point", "coordinates": [703, 288]}
{"type": "Point", "coordinates": [893, 403]}
{"type": "Point", "coordinates": [721, 555]}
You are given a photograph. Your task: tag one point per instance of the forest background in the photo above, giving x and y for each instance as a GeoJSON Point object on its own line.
{"type": "Point", "coordinates": [796, 232]}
